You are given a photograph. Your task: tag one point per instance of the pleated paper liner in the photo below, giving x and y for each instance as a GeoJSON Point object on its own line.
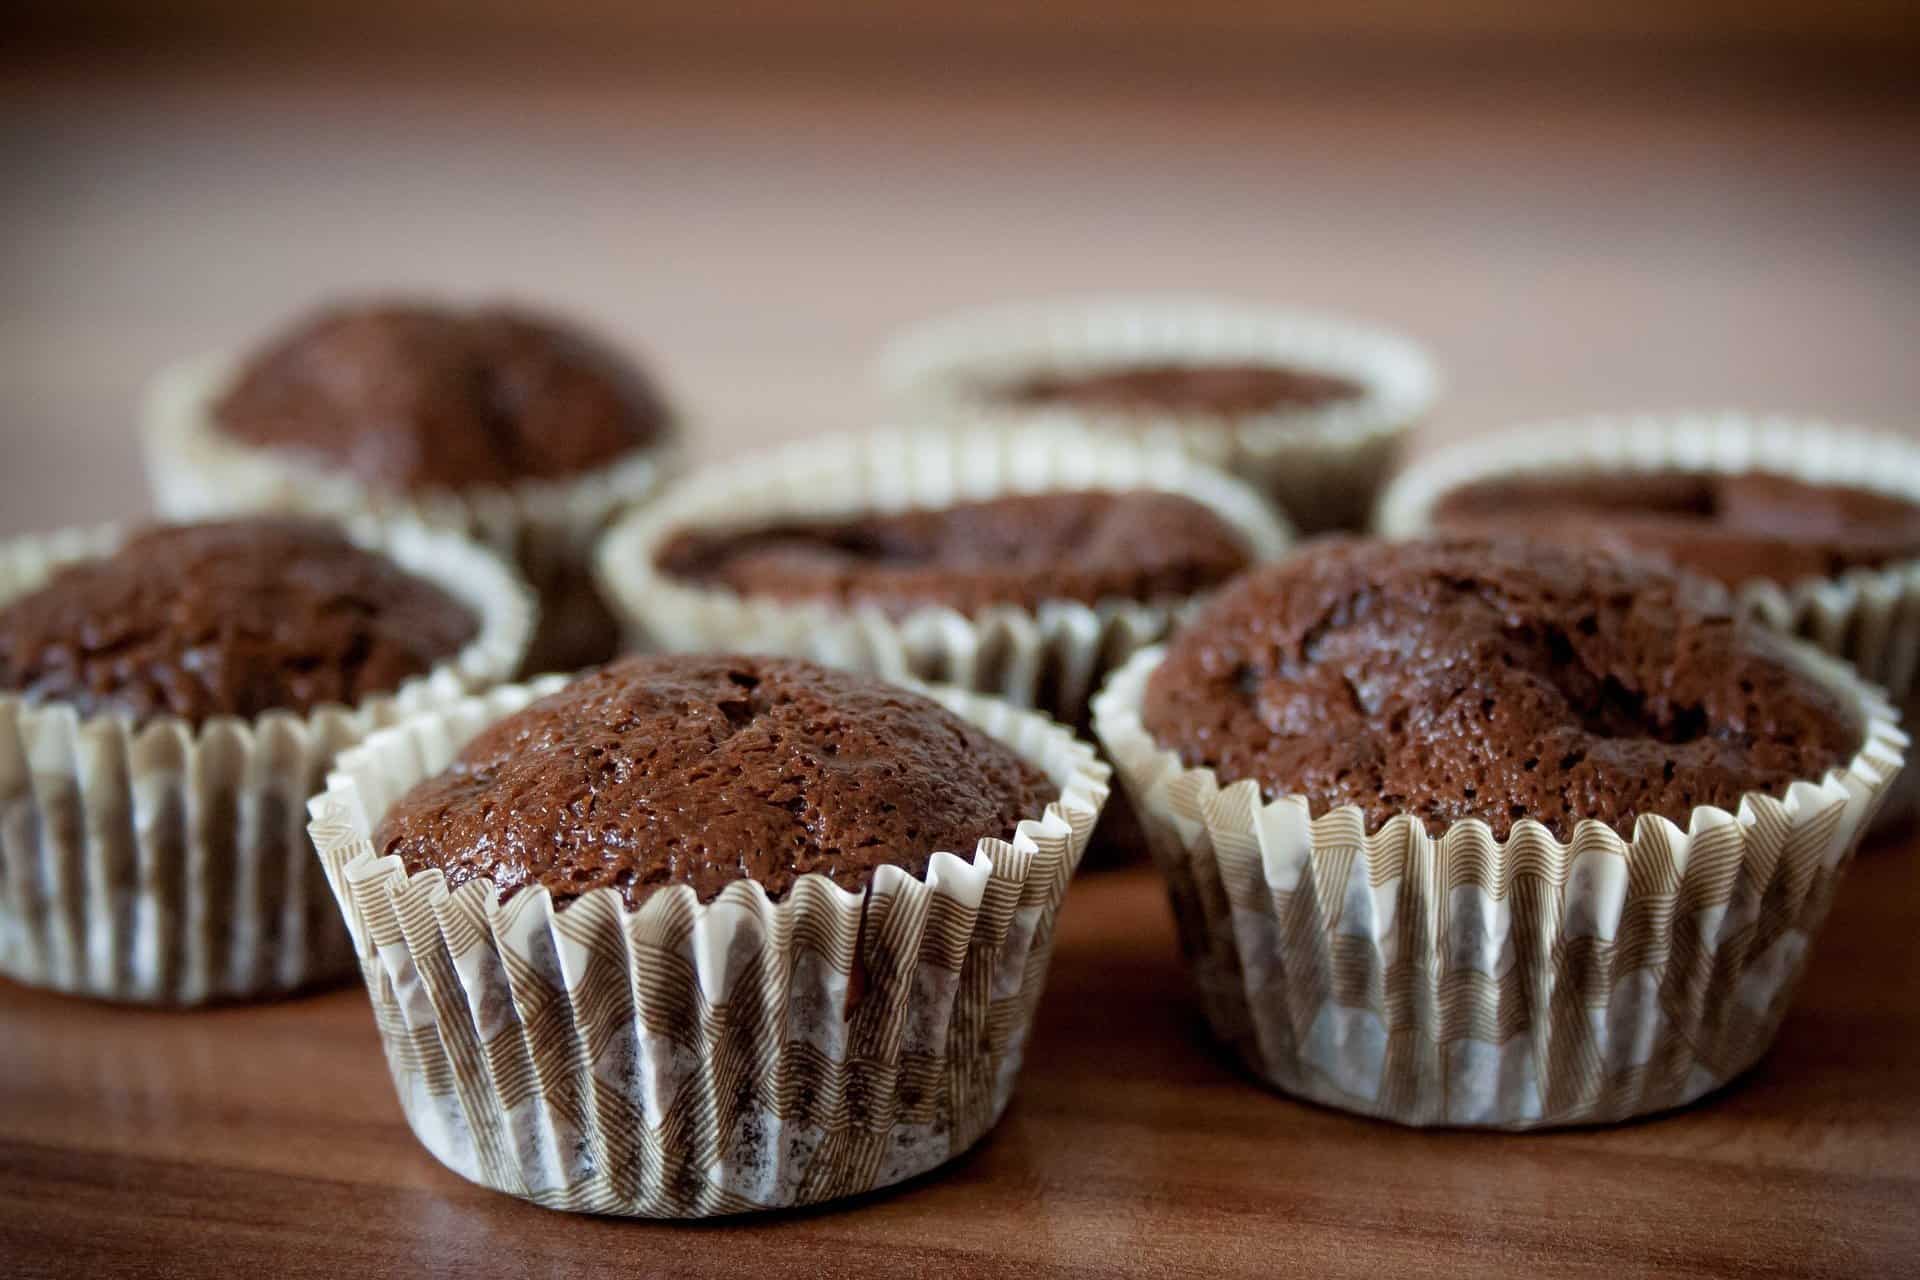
{"type": "Point", "coordinates": [1324, 465]}
{"type": "Point", "coordinates": [547, 528]}
{"type": "Point", "coordinates": [169, 864]}
{"type": "Point", "coordinates": [1460, 980]}
{"type": "Point", "coordinates": [1052, 657]}
{"type": "Point", "coordinates": [686, 1060]}
{"type": "Point", "coordinates": [1869, 617]}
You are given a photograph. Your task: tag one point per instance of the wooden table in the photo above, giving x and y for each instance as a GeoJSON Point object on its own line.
{"type": "Point", "coordinates": [1566, 247]}
{"type": "Point", "coordinates": [267, 1142]}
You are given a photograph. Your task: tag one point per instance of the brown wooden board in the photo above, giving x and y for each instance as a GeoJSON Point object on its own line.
{"type": "Point", "coordinates": [266, 1141]}
{"type": "Point", "coordinates": [1602, 245]}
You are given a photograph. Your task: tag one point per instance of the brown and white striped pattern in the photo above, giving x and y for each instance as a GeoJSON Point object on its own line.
{"type": "Point", "coordinates": [1461, 981]}
{"type": "Point", "coordinates": [689, 1059]}
{"type": "Point", "coordinates": [170, 864]}
{"type": "Point", "coordinates": [1052, 657]}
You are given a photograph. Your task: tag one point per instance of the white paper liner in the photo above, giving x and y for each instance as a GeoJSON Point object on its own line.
{"type": "Point", "coordinates": [1869, 617]}
{"type": "Point", "coordinates": [1323, 465]}
{"type": "Point", "coordinates": [1464, 981]}
{"type": "Point", "coordinates": [168, 864]}
{"type": "Point", "coordinates": [1052, 657]}
{"type": "Point", "coordinates": [686, 1060]}
{"type": "Point", "coordinates": [547, 528]}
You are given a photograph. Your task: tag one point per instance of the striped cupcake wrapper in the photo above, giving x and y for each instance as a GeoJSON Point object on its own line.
{"type": "Point", "coordinates": [1323, 465]}
{"type": "Point", "coordinates": [169, 863]}
{"type": "Point", "coordinates": [1460, 980]}
{"type": "Point", "coordinates": [686, 1059]}
{"type": "Point", "coordinates": [546, 528]}
{"type": "Point", "coordinates": [1052, 657]}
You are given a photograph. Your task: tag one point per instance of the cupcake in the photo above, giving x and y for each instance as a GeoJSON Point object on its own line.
{"type": "Point", "coordinates": [511, 427]}
{"type": "Point", "coordinates": [1494, 833]}
{"type": "Point", "coordinates": [699, 935]}
{"type": "Point", "coordinates": [1017, 564]}
{"type": "Point", "coordinates": [168, 700]}
{"type": "Point", "coordinates": [1309, 409]}
{"type": "Point", "coordinates": [1814, 528]}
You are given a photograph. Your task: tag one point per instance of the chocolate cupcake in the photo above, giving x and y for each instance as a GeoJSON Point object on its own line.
{"type": "Point", "coordinates": [1814, 528]}
{"type": "Point", "coordinates": [699, 935]}
{"type": "Point", "coordinates": [1020, 564]}
{"type": "Point", "coordinates": [1019, 551]}
{"type": "Point", "coordinates": [1735, 528]}
{"type": "Point", "coordinates": [1309, 409]}
{"type": "Point", "coordinates": [511, 427]}
{"type": "Point", "coordinates": [168, 700]}
{"type": "Point", "coordinates": [1495, 832]}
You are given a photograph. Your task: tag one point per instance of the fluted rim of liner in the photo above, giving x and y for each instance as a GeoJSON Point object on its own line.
{"type": "Point", "coordinates": [1082, 795]}
{"type": "Point", "coordinates": [153, 864]}
{"type": "Point", "coordinates": [473, 575]}
{"type": "Point", "coordinates": [1520, 984]}
{"type": "Point", "coordinates": [948, 361]}
{"type": "Point", "coordinates": [1120, 729]}
{"type": "Point", "coordinates": [1725, 441]}
{"type": "Point", "coordinates": [901, 468]}
{"type": "Point", "coordinates": [688, 1059]}
{"type": "Point", "coordinates": [194, 469]}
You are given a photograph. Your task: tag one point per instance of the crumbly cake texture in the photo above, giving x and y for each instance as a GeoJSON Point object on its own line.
{"type": "Point", "coordinates": [1492, 679]}
{"type": "Point", "coordinates": [410, 397]}
{"type": "Point", "coordinates": [1021, 551]}
{"type": "Point", "coordinates": [704, 770]}
{"type": "Point", "coordinates": [232, 618]}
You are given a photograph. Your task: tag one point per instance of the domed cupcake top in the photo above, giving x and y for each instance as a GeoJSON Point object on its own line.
{"type": "Point", "coordinates": [1731, 527]}
{"type": "Point", "coordinates": [1086, 545]}
{"type": "Point", "coordinates": [233, 618]}
{"type": "Point", "coordinates": [704, 770]}
{"type": "Point", "coordinates": [1491, 679]}
{"type": "Point", "coordinates": [408, 396]}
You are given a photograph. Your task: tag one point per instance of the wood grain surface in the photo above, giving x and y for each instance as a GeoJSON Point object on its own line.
{"type": "Point", "coordinates": [1565, 247]}
{"type": "Point", "coordinates": [266, 1142]}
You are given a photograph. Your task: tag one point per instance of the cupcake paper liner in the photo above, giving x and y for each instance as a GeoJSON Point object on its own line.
{"type": "Point", "coordinates": [1460, 980]}
{"type": "Point", "coordinates": [169, 864]}
{"type": "Point", "coordinates": [1051, 657]}
{"type": "Point", "coordinates": [1323, 465]}
{"type": "Point", "coordinates": [687, 1059]}
{"type": "Point", "coordinates": [547, 528]}
{"type": "Point", "coordinates": [1869, 617]}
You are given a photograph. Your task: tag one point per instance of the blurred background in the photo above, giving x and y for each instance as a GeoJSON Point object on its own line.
{"type": "Point", "coordinates": [1581, 207]}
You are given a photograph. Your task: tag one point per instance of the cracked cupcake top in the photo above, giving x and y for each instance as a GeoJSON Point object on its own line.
{"type": "Point", "coordinates": [1226, 390]}
{"type": "Point", "coordinates": [1087, 546]}
{"type": "Point", "coordinates": [704, 770]}
{"type": "Point", "coordinates": [233, 618]}
{"type": "Point", "coordinates": [407, 397]}
{"type": "Point", "coordinates": [1472, 678]}
{"type": "Point", "coordinates": [1732, 528]}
